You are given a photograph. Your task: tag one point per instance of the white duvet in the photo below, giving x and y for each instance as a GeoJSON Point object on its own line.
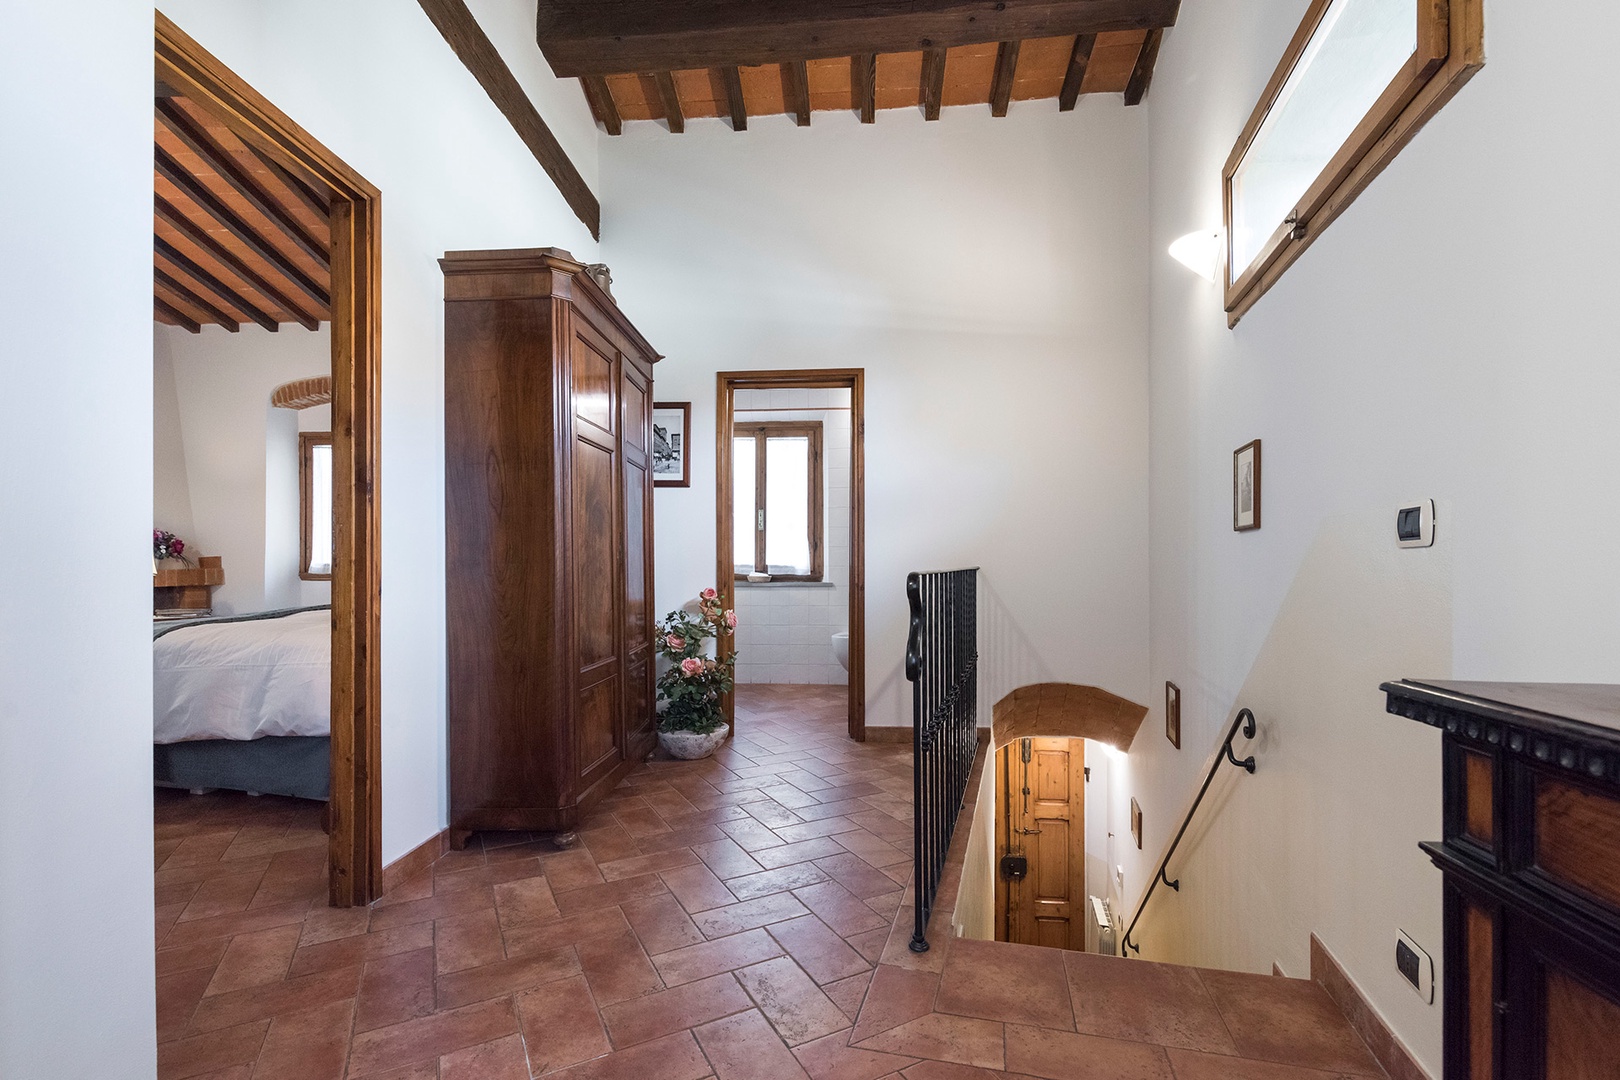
{"type": "Point", "coordinates": [243, 680]}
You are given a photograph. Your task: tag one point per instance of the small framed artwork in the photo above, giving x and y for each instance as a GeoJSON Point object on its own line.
{"type": "Point", "coordinates": [1136, 823]}
{"type": "Point", "coordinates": [1246, 487]}
{"type": "Point", "coordinates": [1172, 714]}
{"type": "Point", "coordinates": [671, 457]}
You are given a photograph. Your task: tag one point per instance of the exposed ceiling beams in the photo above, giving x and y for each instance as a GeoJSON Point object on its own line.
{"type": "Point", "coordinates": [235, 238]}
{"type": "Point", "coordinates": [677, 60]}
{"type": "Point", "coordinates": [610, 37]}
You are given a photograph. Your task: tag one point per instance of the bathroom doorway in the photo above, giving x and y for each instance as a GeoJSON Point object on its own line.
{"type": "Point", "coordinates": [790, 528]}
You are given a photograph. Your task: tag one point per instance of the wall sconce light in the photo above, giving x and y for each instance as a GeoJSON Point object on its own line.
{"type": "Point", "coordinates": [1199, 252]}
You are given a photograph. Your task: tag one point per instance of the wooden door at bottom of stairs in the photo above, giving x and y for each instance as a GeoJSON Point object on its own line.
{"type": "Point", "coordinates": [1042, 811]}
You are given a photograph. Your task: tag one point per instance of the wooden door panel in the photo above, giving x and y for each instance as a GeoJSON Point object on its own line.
{"type": "Point", "coordinates": [598, 727]}
{"type": "Point", "coordinates": [593, 380]}
{"type": "Point", "coordinates": [1042, 804]}
{"type": "Point", "coordinates": [595, 612]}
{"type": "Point", "coordinates": [637, 601]}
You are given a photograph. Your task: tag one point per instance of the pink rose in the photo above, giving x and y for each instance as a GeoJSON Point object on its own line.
{"type": "Point", "coordinates": [731, 619]}
{"type": "Point", "coordinates": [692, 665]}
{"type": "Point", "coordinates": [177, 545]}
{"type": "Point", "coordinates": [674, 641]}
{"type": "Point", "coordinates": [707, 594]}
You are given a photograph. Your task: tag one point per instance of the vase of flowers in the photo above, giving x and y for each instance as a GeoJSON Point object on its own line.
{"type": "Point", "coordinates": [691, 724]}
{"type": "Point", "coordinates": [166, 545]}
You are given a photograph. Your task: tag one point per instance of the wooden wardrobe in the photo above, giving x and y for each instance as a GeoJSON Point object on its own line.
{"type": "Point", "coordinates": [548, 546]}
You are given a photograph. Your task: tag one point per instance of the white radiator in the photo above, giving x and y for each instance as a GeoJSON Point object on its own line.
{"type": "Point", "coordinates": [1100, 927]}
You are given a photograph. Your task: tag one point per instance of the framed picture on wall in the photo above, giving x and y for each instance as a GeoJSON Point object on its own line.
{"type": "Point", "coordinates": [1246, 487]}
{"type": "Point", "coordinates": [1172, 714]}
{"type": "Point", "coordinates": [1136, 823]}
{"type": "Point", "coordinates": [671, 457]}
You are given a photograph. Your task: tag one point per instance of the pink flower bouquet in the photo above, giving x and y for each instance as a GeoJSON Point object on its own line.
{"type": "Point", "coordinates": [693, 684]}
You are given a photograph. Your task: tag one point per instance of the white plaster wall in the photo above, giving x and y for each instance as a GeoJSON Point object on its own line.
{"type": "Point", "coordinates": [76, 978]}
{"type": "Point", "coordinates": [990, 277]}
{"type": "Point", "coordinates": [1449, 337]}
{"type": "Point", "coordinates": [379, 86]}
{"type": "Point", "coordinates": [171, 487]}
{"type": "Point", "coordinates": [241, 455]}
{"type": "Point", "coordinates": [784, 630]}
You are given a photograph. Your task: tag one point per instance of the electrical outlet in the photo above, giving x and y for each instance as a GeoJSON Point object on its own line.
{"type": "Point", "coordinates": [1415, 966]}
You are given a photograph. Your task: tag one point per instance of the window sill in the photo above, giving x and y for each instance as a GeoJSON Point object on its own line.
{"type": "Point", "coordinates": [785, 585]}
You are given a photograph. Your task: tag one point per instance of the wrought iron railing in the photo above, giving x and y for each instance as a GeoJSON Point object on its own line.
{"type": "Point", "coordinates": [1243, 720]}
{"type": "Point", "coordinates": [941, 663]}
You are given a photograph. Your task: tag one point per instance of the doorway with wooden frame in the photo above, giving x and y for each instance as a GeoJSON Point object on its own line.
{"type": "Point", "coordinates": [1040, 842]}
{"type": "Point", "coordinates": [729, 561]}
{"type": "Point", "coordinates": [197, 94]}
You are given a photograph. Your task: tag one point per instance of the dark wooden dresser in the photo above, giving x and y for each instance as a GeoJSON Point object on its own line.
{"type": "Point", "coordinates": [548, 548]}
{"type": "Point", "coordinates": [1531, 860]}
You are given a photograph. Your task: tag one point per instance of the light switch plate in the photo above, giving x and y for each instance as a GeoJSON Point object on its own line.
{"type": "Point", "coordinates": [1414, 524]}
{"type": "Point", "coordinates": [1415, 966]}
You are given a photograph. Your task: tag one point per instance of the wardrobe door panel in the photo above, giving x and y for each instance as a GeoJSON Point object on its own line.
{"type": "Point", "coordinates": [595, 562]}
{"type": "Point", "coordinates": [593, 377]}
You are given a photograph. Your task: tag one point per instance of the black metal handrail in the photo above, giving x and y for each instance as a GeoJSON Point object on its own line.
{"type": "Point", "coordinates": [942, 664]}
{"type": "Point", "coordinates": [1245, 720]}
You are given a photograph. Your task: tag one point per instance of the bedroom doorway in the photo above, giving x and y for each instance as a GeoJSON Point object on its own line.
{"type": "Point", "coordinates": [798, 571]}
{"type": "Point", "coordinates": [225, 158]}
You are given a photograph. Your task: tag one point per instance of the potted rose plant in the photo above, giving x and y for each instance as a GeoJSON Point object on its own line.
{"type": "Point", "coordinates": [691, 724]}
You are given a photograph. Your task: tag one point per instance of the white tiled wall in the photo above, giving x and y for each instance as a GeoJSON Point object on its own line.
{"type": "Point", "coordinates": [784, 629]}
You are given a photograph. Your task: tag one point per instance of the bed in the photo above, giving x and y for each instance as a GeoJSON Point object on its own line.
{"type": "Point", "coordinates": [243, 702]}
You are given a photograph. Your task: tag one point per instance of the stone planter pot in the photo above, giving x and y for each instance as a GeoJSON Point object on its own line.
{"type": "Point", "coordinates": [689, 745]}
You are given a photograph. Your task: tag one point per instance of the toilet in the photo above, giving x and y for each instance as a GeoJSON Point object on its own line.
{"type": "Point", "coordinates": [840, 648]}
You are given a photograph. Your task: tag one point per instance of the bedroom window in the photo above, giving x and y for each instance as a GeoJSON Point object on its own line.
{"type": "Point", "coordinates": [776, 491]}
{"type": "Point", "coordinates": [1358, 81]}
{"type": "Point", "coordinates": [315, 505]}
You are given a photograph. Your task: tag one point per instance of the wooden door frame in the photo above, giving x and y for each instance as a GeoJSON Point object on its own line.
{"type": "Point", "coordinates": [355, 854]}
{"type": "Point", "coordinates": [1002, 762]}
{"type": "Point", "coordinates": [727, 383]}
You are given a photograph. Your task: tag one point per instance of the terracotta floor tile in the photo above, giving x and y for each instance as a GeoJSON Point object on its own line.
{"type": "Point", "coordinates": [822, 953]}
{"type": "Point", "coordinates": [768, 882]}
{"type": "Point", "coordinates": [697, 889]}
{"type": "Point", "coordinates": [346, 952]}
{"type": "Point", "coordinates": [610, 841]}
{"type": "Point", "coordinates": [561, 1025]}
{"type": "Point", "coordinates": [961, 1039]}
{"type": "Point", "coordinates": [178, 996]}
{"type": "Point", "coordinates": [526, 901]}
{"type": "Point", "coordinates": [949, 1070]}
{"type": "Point", "coordinates": [674, 1057]}
{"type": "Point", "coordinates": [843, 911]}
{"type": "Point", "coordinates": [490, 874]}
{"type": "Point", "coordinates": [789, 796]}
{"type": "Point", "coordinates": [1063, 1055]}
{"type": "Point", "coordinates": [467, 941]}
{"type": "Point", "coordinates": [848, 994]}
{"type": "Point", "coordinates": [803, 851]}
{"type": "Point", "coordinates": [222, 896]}
{"type": "Point", "coordinates": [504, 977]}
{"type": "Point", "coordinates": [432, 908]}
{"type": "Point", "coordinates": [1189, 1065]}
{"type": "Point", "coordinates": [744, 1047]}
{"type": "Point", "coordinates": [204, 954]}
{"type": "Point", "coordinates": [791, 1001]}
{"type": "Point", "coordinates": [661, 923]}
{"type": "Point", "coordinates": [828, 824]}
{"type": "Point", "coordinates": [870, 943]}
{"type": "Point", "coordinates": [856, 875]}
{"type": "Point", "coordinates": [330, 924]}
{"type": "Point", "coordinates": [685, 838]}
{"type": "Point", "coordinates": [394, 989]}
{"type": "Point", "coordinates": [163, 918]}
{"type": "Point", "coordinates": [771, 814]}
{"type": "Point", "coordinates": [558, 933]}
{"type": "Point", "coordinates": [261, 1002]}
{"type": "Point", "coordinates": [500, 1059]}
{"type": "Point", "coordinates": [647, 864]}
{"type": "Point", "coordinates": [736, 918]}
{"type": "Point", "coordinates": [873, 849]}
{"type": "Point", "coordinates": [896, 997]}
{"type": "Point", "coordinates": [429, 1037]}
{"type": "Point", "coordinates": [830, 1058]}
{"type": "Point", "coordinates": [641, 820]}
{"type": "Point", "coordinates": [750, 835]}
{"type": "Point", "coordinates": [646, 1018]}
{"type": "Point", "coordinates": [1290, 1021]}
{"type": "Point", "coordinates": [186, 933]}
{"type": "Point", "coordinates": [201, 1054]}
{"type": "Point", "coordinates": [617, 968]}
{"type": "Point", "coordinates": [886, 904]}
{"type": "Point", "coordinates": [1145, 1002]}
{"type": "Point", "coordinates": [712, 957]}
{"type": "Point", "coordinates": [309, 1044]}
{"type": "Point", "coordinates": [571, 869]}
{"type": "Point", "coordinates": [707, 817]}
{"type": "Point", "coordinates": [254, 959]}
{"type": "Point", "coordinates": [592, 897]}
{"type": "Point", "coordinates": [726, 858]}
{"type": "Point", "coordinates": [1018, 984]}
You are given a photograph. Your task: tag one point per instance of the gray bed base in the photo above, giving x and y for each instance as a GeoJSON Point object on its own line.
{"type": "Point", "coordinates": [295, 765]}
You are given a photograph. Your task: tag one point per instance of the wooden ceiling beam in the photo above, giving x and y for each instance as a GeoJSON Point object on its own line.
{"type": "Point", "coordinates": [933, 82]}
{"type": "Point", "coordinates": [1001, 84]}
{"type": "Point", "coordinates": [796, 91]}
{"type": "Point", "coordinates": [214, 207]}
{"type": "Point", "coordinates": [175, 315]}
{"type": "Point", "coordinates": [603, 107]}
{"type": "Point", "coordinates": [227, 258]}
{"type": "Point", "coordinates": [731, 78]}
{"type": "Point", "coordinates": [195, 299]}
{"type": "Point", "coordinates": [223, 292]}
{"type": "Point", "coordinates": [674, 115]}
{"type": "Point", "coordinates": [1142, 74]}
{"type": "Point", "coordinates": [313, 200]}
{"type": "Point", "coordinates": [611, 37]}
{"type": "Point", "coordinates": [244, 183]}
{"type": "Point", "coordinates": [863, 86]}
{"type": "Point", "coordinates": [1079, 60]}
